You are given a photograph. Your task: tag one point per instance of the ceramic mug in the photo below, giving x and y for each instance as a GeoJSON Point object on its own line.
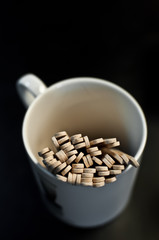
{"type": "Point", "coordinates": [93, 107]}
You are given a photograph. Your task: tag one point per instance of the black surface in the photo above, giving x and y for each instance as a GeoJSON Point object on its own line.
{"type": "Point", "coordinates": [120, 44]}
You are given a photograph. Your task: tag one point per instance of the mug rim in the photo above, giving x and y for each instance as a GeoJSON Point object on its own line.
{"type": "Point", "coordinates": [68, 81]}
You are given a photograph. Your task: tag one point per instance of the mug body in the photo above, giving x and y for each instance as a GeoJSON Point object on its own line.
{"type": "Point", "coordinates": [96, 108]}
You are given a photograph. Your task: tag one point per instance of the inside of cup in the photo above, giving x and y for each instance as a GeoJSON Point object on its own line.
{"type": "Point", "coordinates": [95, 108]}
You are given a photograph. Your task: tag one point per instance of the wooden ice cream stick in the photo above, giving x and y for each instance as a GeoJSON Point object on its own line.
{"type": "Point", "coordinates": [109, 140]}
{"type": "Point", "coordinates": [77, 165]}
{"type": "Point", "coordinates": [110, 179]}
{"type": "Point", "coordinates": [105, 173]}
{"type": "Point", "coordinates": [85, 161]}
{"type": "Point", "coordinates": [60, 134]}
{"type": "Point", "coordinates": [71, 159]}
{"type": "Point", "coordinates": [115, 172]}
{"type": "Point", "coordinates": [79, 157]}
{"type": "Point", "coordinates": [92, 149]}
{"type": "Point", "coordinates": [97, 160]}
{"type": "Point", "coordinates": [98, 179]}
{"type": "Point", "coordinates": [62, 178]}
{"type": "Point", "coordinates": [111, 145]}
{"type": "Point", "coordinates": [78, 179]}
{"type": "Point", "coordinates": [63, 140]}
{"type": "Point", "coordinates": [60, 168]}
{"type": "Point", "coordinates": [77, 140]}
{"type": "Point", "coordinates": [101, 168]}
{"type": "Point", "coordinates": [113, 154]}
{"type": "Point", "coordinates": [99, 184]}
{"type": "Point", "coordinates": [55, 142]}
{"type": "Point", "coordinates": [87, 175]}
{"type": "Point", "coordinates": [66, 170]}
{"type": "Point", "coordinates": [86, 140]}
{"type": "Point", "coordinates": [43, 151]}
{"type": "Point", "coordinates": [118, 167]}
{"type": "Point", "coordinates": [89, 159]}
{"type": "Point", "coordinates": [75, 136]}
{"type": "Point", "coordinates": [89, 170]}
{"type": "Point", "coordinates": [96, 141]}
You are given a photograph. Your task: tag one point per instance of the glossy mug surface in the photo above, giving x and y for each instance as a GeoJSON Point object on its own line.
{"type": "Point", "coordinates": [93, 107]}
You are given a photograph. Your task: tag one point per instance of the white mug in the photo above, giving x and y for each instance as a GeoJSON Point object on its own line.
{"type": "Point", "coordinates": [93, 107]}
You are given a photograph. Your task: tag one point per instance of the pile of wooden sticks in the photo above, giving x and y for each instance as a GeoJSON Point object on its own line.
{"type": "Point", "coordinates": [78, 160]}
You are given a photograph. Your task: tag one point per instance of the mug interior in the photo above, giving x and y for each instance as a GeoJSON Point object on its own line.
{"type": "Point", "coordinates": [93, 107]}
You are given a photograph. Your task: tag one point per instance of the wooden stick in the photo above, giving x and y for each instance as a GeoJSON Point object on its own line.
{"type": "Point", "coordinates": [110, 179]}
{"type": "Point", "coordinates": [96, 141]}
{"type": "Point", "coordinates": [79, 157]}
{"type": "Point", "coordinates": [66, 170]}
{"type": "Point", "coordinates": [60, 134]}
{"type": "Point", "coordinates": [97, 160]}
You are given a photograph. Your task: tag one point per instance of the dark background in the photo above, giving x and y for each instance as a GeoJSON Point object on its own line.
{"type": "Point", "coordinates": [119, 43]}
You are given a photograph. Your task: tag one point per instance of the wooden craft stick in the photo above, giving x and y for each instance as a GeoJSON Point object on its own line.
{"type": "Point", "coordinates": [85, 161]}
{"type": "Point", "coordinates": [108, 157]}
{"type": "Point", "coordinates": [96, 141]}
{"type": "Point", "coordinates": [77, 165]}
{"type": "Point", "coordinates": [43, 151]}
{"type": "Point", "coordinates": [49, 158]}
{"type": "Point", "coordinates": [59, 168]}
{"type": "Point", "coordinates": [111, 145]}
{"type": "Point", "coordinates": [79, 157]}
{"type": "Point", "coordinates": [71, 159]}
{"type": "Point", "coordinates": [101, 168]}
{"type": "Point", "coordinates": [113, 154]}
{"type": "Point", "coordinates": [92, 149]}
{"type": "Point", "coordinates": [77, 170]}
{"type": "Point", "coordinates": [66, 170]}
{"type": "Point", "coordinates": [69, 179]}
{"type": "Point", "coordinates": [60, 134]}
{"type": "Point", "coordinates": [125, 158]}
{"type": "Point", "coordinates": [78, 179]}
{"type": "Point", "coordinates": [50, 153]}
{"type": "Point", "coordinates": [74, 175]}
{"type": "Point", "coordinates": [69, 148]}
{"type": "Point", "coordinates": [86, 140]}
{"type": "Point", "coordinates": [133, 161]}
{"type": "Point", "coordinates": [97, 153]}
{"type": "Point", "coordinates": [97, 160]}
{"type": "Point", "coordinates": [63, 140]}
{"type": "Point", "coordinates": [115, 172]}
{"type": "Point", "coordinates": [75, 136]}
{"type": "Point", "coordinates": [70, 153]}
{"type": "Point", "coordinates": [109, 140]}
{"type": "Point", "coordinates": [62, 178]}
{"type": "Point", "coordinates": [105, 173]}
{"type": "Point", "coordinates": [122, 155]}
{"type": "Point", "coordinates": [61, 155]}
{"type": "Point", "coordinates": [50, 162]}
{"type": "Point", "coordinates": [89, 159]}
{"type": "Point", "coordinates": [106, 162]}
{"type": "Point", "coordinates": [65, 145]}
{"type": "Point", "coordinates": [98, 184]}
{"type": "Point", "coordinates": [55, 142]}
{"type": "Point", "coordinates": [118, 167]}
{"type": "Point", "coordinates": [110, 179]}
{"type": "Point", "coordinates": [77, 140]}
{"type": "Point", "coordinates": [87, 175]}
{"type": "Point", "coordinates": [89, 170]}
{"type": "Point", "coordinates": [87, 183]}
{"type": "Point", "coordinates": [98, 179]}
{"type": "Point", "coordinates": [83, 180]}
{"type": "Point", "coordinates": [80, 145]}
{"type": "Point", "coordinates": [54, 165]}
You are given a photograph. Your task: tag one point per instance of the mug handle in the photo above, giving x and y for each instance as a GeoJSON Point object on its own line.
{"type": "Point", "coordinates": [29, 87]}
